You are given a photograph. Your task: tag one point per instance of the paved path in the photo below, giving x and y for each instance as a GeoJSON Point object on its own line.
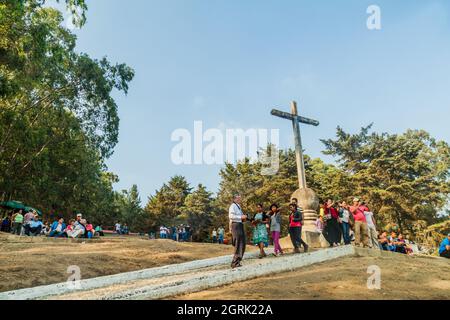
{"type": "Point", "coordinates": [172, 280]}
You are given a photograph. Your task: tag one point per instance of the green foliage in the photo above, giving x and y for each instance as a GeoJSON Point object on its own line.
{"type": "Point", "coordinates": [404, 178]}
{"type": "Point", "coordinates": [165, 207]}
{"type": "Point", "coordinates": [130, 210]}
{"type": "Point", "coordinates": [198, 211]}
{"type": "Point", "coordinates": [58, 120]}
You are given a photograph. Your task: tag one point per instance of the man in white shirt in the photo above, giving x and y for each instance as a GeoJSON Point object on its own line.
{"type": "Point", "coordinates": [237, 217]}
{"type": "Point", "coordinates": [371, 230]}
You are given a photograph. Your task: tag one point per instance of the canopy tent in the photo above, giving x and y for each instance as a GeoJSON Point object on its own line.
{"type": "Point", "coordinates": [18, 205]}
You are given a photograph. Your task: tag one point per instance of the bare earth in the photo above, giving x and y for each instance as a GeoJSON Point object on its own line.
{"type": "Point", "coordinates": [28, 262]}
{"type": "Point", "coordinates": [402, 277]}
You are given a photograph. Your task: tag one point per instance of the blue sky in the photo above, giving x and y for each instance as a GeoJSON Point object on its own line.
{"type": "Point", "coordinates": [229, 62]}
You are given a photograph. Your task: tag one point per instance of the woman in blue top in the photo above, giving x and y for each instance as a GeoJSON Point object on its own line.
{"type": "Point", "coordinates": [260, 235]}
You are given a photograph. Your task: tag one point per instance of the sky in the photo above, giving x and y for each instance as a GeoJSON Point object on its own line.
{"type": "Point", "coordinates": [228, 63]}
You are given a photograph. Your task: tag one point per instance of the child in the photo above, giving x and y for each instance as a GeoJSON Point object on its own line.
{"type": "Point", "coordinates": [90, 230]}
{"type": "Point", "coordinates": [275, 228]}
{"type": "Point", "coordinates": [70, 229]}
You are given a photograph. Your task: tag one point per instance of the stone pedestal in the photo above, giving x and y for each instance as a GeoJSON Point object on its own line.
{"type": "Point", "coordinates": [309, 202]}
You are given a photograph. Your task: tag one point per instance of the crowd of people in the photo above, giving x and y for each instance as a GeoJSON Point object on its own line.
{"type": "Point", "coordinates": [218, 235]}
{"type": "Point", "coordinates": [30, 224]}
{"type": "Point", "coordinates": [121, 229]}
{"type": "Point", "coordinates": [338, 223]}
{"type": "Point", "coordinates": [181, 233]}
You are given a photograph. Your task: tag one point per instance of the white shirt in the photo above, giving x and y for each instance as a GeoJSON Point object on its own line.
{"type": "Point", "coordinates": [369, 219]}
{"type": "Point", "coordinates": [235, 213]}
{"type": "Point", "coordinates": [345, 215]}
{"type": "Point", "coordinates": [117, 226]}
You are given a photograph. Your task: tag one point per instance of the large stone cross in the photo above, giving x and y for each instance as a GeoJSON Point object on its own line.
{"type": "Point", "coordinates": [306, 197]}
{"type": "Point", "coordinates": [296, 119]}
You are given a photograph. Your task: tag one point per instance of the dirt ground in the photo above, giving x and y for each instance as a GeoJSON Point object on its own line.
{"type": "Point", "coordinates": [27, 262]}
{"type": "Point", "coordinates": [346, 278]}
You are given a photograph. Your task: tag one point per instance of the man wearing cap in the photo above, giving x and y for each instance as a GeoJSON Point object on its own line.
{"type": "Point", "coordinates": [237, 219]}
{"type": "Point", "coordinates": [444, 248]}
{"type": "Point", "coordinates": [360, 226]}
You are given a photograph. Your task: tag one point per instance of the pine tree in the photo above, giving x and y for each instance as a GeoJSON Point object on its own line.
{"type": "Point", "coordinates": [198, 212]}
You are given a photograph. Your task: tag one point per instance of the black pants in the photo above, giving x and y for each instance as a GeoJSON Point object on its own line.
{"type": "Point", "coordinates": [238, 234]}
{"type": "Point", "coordinates": [296, 237]}
{"type": "Point", "coordinates": [29, 231]}
{"type": "Point", "coordinates": [445, 254]}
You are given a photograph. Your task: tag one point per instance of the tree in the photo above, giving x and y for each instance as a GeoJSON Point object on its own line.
{"type": "Point", "coordinates": [198, 212]}
{"type": "Point", "coordinates": [131, 212]}
{"type": "Point", "coordinates": [164, 207]}
{"type": "Point", "coordinates": [404, 178]}
{"type": "Point", "coordinates": [58, 120]}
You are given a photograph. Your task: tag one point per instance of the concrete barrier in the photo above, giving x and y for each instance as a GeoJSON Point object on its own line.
{"type": "Point", "coordinates": [99, 282]}
{"type": "Point", "coordinates": [223, 277]}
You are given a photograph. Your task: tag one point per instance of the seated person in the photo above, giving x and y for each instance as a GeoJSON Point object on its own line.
{"type": "Point", "coordinates": [70, 229]}
{"type": "Point", "coordinates": [6, 223]}
{"type": "Point", "coordinates": [444, 248]}
{"type": "Point", "coordinates": [57, 229]}
{"type": "Point", "coordinates": [392, 239]}
{"type": "Point", "coordinates": [400, 245]}
{"type": "Point", "coordinates": [124, 229]}
{"type": "Point", "coordinates": [34, 228]}
{"type": "Point", "coordinates": [45, 229]}
{"type": "Point", "coordinates": [99, 230]}
{"type": "Point", "coordinates": [79, 230]}
{"type": "Point", "coordinates": [384, 242]}
{"type": "Point", "coordinates": [90, 232]}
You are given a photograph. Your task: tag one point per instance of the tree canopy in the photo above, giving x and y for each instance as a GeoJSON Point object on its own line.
{"type": "Point", "coordinates": [58, 119]}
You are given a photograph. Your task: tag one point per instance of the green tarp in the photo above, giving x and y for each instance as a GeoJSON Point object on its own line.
{"type": "Point", "coordinates": [18, 205]}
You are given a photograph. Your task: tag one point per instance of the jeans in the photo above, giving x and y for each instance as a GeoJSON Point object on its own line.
{"type": "Point", "coordinates": [221, 239]}
{"type": "Point", "coordinates": [56, 234]}
{"type": "Point", "coordinates": [346, 232]}
{"type": "Point", "coordinates": [445, 254]}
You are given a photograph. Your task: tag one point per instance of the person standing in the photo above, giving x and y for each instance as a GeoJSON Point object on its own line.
{"type": "Point", "coordinates": [118, 227]}
{"type": "Point", "coordinates": [17, 223]}
{"type": "Point", "coordinates": [214, 235]}
{"type": "Point", "coordinates": [371, 230]}
{"type": "Point", "coordinates": [344, 216]}
{"type": "Point", "coordinates": [295, 228]}
{"type": "Point", "coordinates": [275, 228]}
{"type": "Point", "coordinates": [237, 219]}
{"type": "Point", "coordinates": [27, 219]}
{"type": "Point", "coordinates": [332, 227]}
{"type": "Point", "coordinates": [360, 227]}
{"type": "Point", "coordinates": [221, 233]}
{"type": "Point", "coordinates": [260, 236]}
